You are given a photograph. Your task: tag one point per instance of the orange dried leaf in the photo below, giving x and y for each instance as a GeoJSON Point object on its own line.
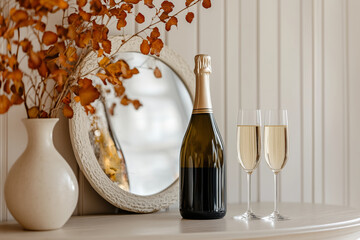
{"type": "Point", "coordinates": [33, 112]}
{"type": "Point", "coordinates": [67, 98]}
{"type": "Point", "coordinates": [74, 19]}
{"type": "Point", "coordinates": [114, 68]}
{"type": "Point", "coordinates": [188, 2]}
{"type": "Point", "coordinates": [140, 18]}
{"type": "Point", "coordinates": [134, 71]}
{"type": "Point", "coordinates": [103, 77]}
{"type": "Point", "coordinates": [34, 61]}
{"type": "Point", "coordinates": [103, 62]}
{"type": "Point", "coordinates": [172, 21]}
{"type": "Point", "coordinates": [206, 3]}
{"type": "Point", "coordinates": [50, 4]}
{"type": "Point", "coordinates": [125, 101]}
{"type": "Point", "coordinates": [18, 15]}
{"type": "Point", "coordinates": [100, 52]}
{"type": "Point", "coordinates": [149, 3]}
{"type": "Point", "coordinates": [119, 90]}
{"type": "Point", "coordinates": [71, 54]}
{"type": "Point", "coordinates": [155, 33]}
{"type": "Point", "coordinates": [68, 111]}
{"type": "Point", "coordinates": [40, 26]}
{"type": "Point", "coordinates": [156, 47]}
{"type": "Point", "coordinates": [189, 17]}
{"type": "Point", "coordinates": [81, 3]}
{"type": "Point", "coordinates": [43, 114]}
{"type": "Point", "coordinates": [121, 23]}
{"type": "Point", "coordinates": [77, 99]}
{"type": "Point", "coordinates": [61, 31]}
{"type": "Point", "coordinates": [107, 46]}
{"type": "Point", "coordinates": [16, 75]}
{"type": "Point", "coordinates": [97, 8]}
{"type": "Point", "coordinates": [136, 104]}
{"type": "Point", "coordinates": [87, 93]}
{"type": "Point", "coordinates": [163, 17]}
{"type": "Point", "coordinates": [16, 99]}
{"type": "Point", "coordinates": [59, 76]}
{"type": "Point", "coordinates": [17, 88]}
{"type": "Point", "coordinates": [132, 1]}
{"type": "Point", "coordinates": [84, 15]}
{"type": "Point", "coordinates": [7, 87]}
{"type": "Point", "coordinates": [26, 45]}
{"type": "Point", "coordinates": [145, 47]}
{"type": "Point", "coordinates": [71, 32]}
{"type": "Point", "coordinates": [49, 38]}
{"type": "Point", "coordinates": [5, 104]}
{"type": "Point", "coordinates": [157, 73]}
{"type": "Point", "coordinates": [43, 70]}
{"type": "Point", "coordinates": [84, 83]}
{"type": "Point", "coordinates": [84, 39]}
{"type": "Point", "coordinates": [167, 6]}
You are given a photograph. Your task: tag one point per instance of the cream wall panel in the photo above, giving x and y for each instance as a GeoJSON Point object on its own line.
{"type": "Point", "coordinates": [333, 103]}
{"type": "Point", "coordinates": [290, 94]}
{"type": "Point", "coordinates": [249, 78]}
{"type": "Point", "coordinates": [3, 165]}
{"type": "Point", "coordinates": [232, 72]}
{"type": "Point", "coordinates": [269, 77]}
{"type": "Point", "coordinates": [307, 90]}
{"type": "Point", "coordinates": [318, 101]}
{"type": "Point", "coordinates": [354, 99]}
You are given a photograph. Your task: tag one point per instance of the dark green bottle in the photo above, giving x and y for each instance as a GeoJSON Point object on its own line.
{"type": "Point", "coordinates": [202, 160]}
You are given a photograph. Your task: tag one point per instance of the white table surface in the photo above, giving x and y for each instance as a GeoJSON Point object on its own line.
{"type": "Point", "coordinates": [307, 222]}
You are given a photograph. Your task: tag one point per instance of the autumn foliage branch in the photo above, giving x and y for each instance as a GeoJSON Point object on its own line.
{"type": "Point", "coordinates": [50, 79]}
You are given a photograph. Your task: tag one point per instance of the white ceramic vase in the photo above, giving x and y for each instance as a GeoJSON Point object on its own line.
{"type": "Point", "coordinates": [41, 190]}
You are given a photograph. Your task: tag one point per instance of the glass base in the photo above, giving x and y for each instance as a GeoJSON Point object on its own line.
{"type": "Point", "coordinates": [275, 216]}
{"type": "Point", "coordinates": [247, 216]}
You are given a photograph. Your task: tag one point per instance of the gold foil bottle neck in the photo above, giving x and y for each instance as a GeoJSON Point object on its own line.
{"type": "Point", "coordinates": [202, 64]}
{"type": "Point", "coordinates": [202, 103]}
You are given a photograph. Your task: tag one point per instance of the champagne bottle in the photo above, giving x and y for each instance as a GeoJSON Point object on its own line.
{"type": "Point", "coordinates": [202, 160]}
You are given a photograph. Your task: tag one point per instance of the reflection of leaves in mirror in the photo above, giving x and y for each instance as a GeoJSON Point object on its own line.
{"type": "Point", "coordinates": [110, 157]}
{"type": "Point", "coordinates": [157, 73]}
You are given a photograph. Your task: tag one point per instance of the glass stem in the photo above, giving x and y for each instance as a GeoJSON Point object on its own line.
{"type": "Point", "coordinates": [249, 191]}
{"type": "Point", "coordinates": [276, 192]}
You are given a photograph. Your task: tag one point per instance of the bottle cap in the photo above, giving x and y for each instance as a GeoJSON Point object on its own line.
{"type": "Point", "coordinates": [202, 64]}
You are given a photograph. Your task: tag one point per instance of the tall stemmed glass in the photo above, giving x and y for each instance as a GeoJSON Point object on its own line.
{"type": "Point", "coordinates": [249, 150]}
{"type": "Point", "coordinates": [276, 143]}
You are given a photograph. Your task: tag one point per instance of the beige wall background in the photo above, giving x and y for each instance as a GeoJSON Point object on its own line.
{"type": "Point", "coordinates": [302, 55]}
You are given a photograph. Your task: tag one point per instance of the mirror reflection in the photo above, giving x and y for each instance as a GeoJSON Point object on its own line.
{"type": "Point", "coordinates": [139, 149]}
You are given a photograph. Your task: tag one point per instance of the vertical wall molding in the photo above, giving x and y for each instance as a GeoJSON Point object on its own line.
{"type": "Point", "coordinates": [3, 164]}
{"type": "Point", "coordinates": [258, 82]}
{"type": "Point", "coordinates": [279, 77]}
{"type": "Point", "coordinates": [346, 115]}
{"type": "Point", "coordinates": [301, 56]}
{"type": "Point", "coordinates": [318, 36]}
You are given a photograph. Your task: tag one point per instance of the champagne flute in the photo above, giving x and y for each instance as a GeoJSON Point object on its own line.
{"type": "Point", "coordinates": [249, 150]}
{"type": "Point", "coordinates": [276, 143]}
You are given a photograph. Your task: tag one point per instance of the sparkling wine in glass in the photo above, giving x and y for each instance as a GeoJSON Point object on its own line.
{"type": "Point", "coordinates": [249, 150]}
{"type": "Point", "coordinates": [276, 151]}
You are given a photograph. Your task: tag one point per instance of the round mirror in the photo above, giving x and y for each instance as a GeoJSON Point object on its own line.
{"type": "Point", "coordinates": [139, 149]}
{"type": "Point", "coordinates": [129, 156]}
